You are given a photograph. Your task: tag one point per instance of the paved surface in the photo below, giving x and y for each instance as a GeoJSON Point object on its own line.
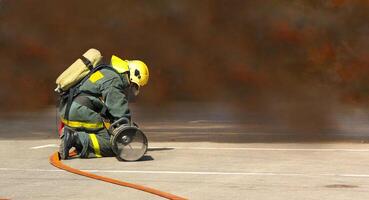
{"type": "Point", "coordinates": [197, 171]}
{"type": "Point", "coordinates": [199, 159]}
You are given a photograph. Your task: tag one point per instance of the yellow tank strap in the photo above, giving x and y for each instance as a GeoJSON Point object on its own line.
{"type": "Point", "coordinates": [76, 124]}
{"type": "Point", "coordinates": [96, 76]}
{"type": "Point", "coordinates": [95, 144]}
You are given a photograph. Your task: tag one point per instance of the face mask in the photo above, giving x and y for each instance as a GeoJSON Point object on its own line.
{"type": "Point", "coordinates": [133, 92]}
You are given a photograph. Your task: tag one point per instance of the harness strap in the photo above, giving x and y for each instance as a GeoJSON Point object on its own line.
{"type": "Point", "coordinates": [87, 63]}
{"type": "Point", "coordinates": [69, 102]}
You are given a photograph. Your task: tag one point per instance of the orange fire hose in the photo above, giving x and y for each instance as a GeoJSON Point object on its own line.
{"type": "Point", "coordinates": [55, 160]}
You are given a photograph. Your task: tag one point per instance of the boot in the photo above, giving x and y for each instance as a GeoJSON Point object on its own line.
{"type": "Point", "coordinates": [68, 140]}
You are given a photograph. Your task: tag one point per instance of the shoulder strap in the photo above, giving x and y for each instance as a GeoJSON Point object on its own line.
{"type": "Point", "coordinates": [69, 102]}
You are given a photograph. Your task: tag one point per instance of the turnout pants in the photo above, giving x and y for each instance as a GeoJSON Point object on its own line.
{"type": "Point", "coordinates": [94, 144]}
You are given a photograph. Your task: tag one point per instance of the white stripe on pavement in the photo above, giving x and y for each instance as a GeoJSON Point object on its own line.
{"type": "Point", "coordinates": [257, 149]}
{"type": "Point", "coordinates": [195, 173]}
{"type": "Point", "coordinates": [231, 148]}
{"type": "Point", "coordinates": [45, 146]}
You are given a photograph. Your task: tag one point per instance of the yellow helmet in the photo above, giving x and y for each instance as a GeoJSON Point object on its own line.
{"type": "Point", "coordinates": [139, 72]}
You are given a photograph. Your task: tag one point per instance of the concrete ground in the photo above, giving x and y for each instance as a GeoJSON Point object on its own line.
{"type": "Point", "coordinates": [201, 158]}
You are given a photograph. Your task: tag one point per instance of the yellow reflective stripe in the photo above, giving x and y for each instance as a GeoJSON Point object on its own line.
{"type": "Point", "coordinates": [76, 124]}
{"type": "Point", "coordinates": [96, 76]}
{"type": "Point", "coordinates": [95, 144]}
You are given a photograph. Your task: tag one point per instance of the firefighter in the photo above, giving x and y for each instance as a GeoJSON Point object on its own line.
{"type": "Point", "coordinates": [102, 98]}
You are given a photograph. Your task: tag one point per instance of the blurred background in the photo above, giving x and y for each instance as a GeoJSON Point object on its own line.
{"type": "Point", "coordinates": [299, 62]}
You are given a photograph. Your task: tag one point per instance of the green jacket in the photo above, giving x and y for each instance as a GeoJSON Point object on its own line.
{"type": "Point", "coordinates": [103, 87]}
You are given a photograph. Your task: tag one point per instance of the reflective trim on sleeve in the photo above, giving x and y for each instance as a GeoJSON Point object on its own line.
{"type": "Point", "coordinates": [76, 124]}
{"type": "Point", "coordinates": [95, 144]}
